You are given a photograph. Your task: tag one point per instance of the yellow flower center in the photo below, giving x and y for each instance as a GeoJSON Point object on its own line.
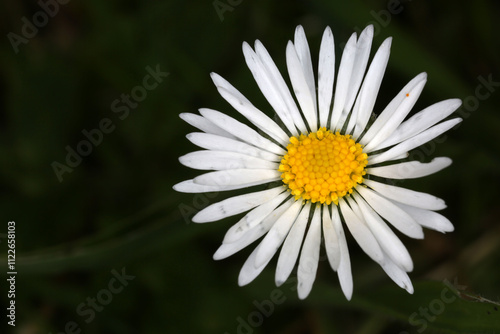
{"type": "Point", "coordinates": [323, 166]}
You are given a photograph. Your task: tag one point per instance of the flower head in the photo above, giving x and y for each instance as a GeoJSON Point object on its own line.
{"type": "Point", "coordinates": [325, 160]}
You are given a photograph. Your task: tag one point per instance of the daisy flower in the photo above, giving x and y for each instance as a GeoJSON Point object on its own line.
{"type": "Point", "coordinates": [326, 159]}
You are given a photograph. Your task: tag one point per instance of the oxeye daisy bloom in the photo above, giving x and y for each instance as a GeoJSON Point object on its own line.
{"type": "Point", "coordinates": [327, 161]}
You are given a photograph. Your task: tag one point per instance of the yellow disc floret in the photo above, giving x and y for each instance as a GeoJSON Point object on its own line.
{"type": "Point", "coordinates": [323, 166]}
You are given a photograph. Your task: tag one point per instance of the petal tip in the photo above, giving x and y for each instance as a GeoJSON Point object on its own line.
{"type": "Point", "coordinates": [387, 42]}
{"type": "Point", "coordinates": [197, 218]}
{"type": "Point", "coordinates": [456, 103]}
{"type": "Point", "coordinates": [217, 255]}
{"type": "Point", "coordinates": [242, 280]}
{"type": "Point", "coordinates": [368, 30]}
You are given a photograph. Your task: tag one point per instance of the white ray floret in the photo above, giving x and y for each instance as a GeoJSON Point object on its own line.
{"type": "Point", "coordinates": [394, 117]}
{"type": "Point", "coordinates": [344, 269]}
{"type": "Point", "coordinates": [393, 214]}
{"type": "Point", "coordinates": [309, 257]}
{"type": "Point", "coordinates": [364, 237]}
{"type": "Point", "coordinates": [332, 243]}
{"type": "Point", "coordinates": [220, 160]}
{"type": "Point", "coordinates": [234, 205]}
{"type": "Point", "coordinates": [392, 107]}
{"type": "Point", "coordinates": [253, 218]}
{"type": "Point", "coordinates": [269, 86]}
{"type": "Point", "coordinates": [291, 247]}
{"type": "Point", "coordinates": [275, 76]}
{"type": "Point", "coordinates": [300, 87]}
{"type": "Point", "coordinates": [274, 238]}
{"type": "Point", "coordinates": [326, 76]}
{"type": "Point", "coordinates": [410, 169]}
{"type": "Point", "coordinates": [363, 46]}
{"type": "Point", "coordinates": [421, 121]}
{"type": "Point", "coordinates": [218, 143]}
{"type": "Point", "coordinates": [368, 93]}
{"type": "Point", "coordinates": [343, 78]}
{"type": "Point", "coordinates": [304, 56]}
{"type": "Point", "coordinates": [250, 271]}
{"type": "Point", "coordinates": [189, 186]}
{"type": "Point", "coordinates": [257, 231]}
{"type": "Point", "coordinates": [422, 138]}
{"type": "Point", "coordinates": [241, 131]}
{"type": "Point", "coordinates": [237, 177]}
{"type": "Point", "coordinates": [204, 124]}
{"type": "Point", "coordinates": [407, 196]}
{"type": "Point", "coordinates": [398, 275]}
{"type": "Point", "coordinates": [387, 239]}
{"type": "Point", "coordinates": [247, 109]}
{"type": "Point", "coordinates": [428, 218]}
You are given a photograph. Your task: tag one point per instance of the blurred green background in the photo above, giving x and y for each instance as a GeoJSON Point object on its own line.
{"type": "Point", "coordinates": [116, 209]}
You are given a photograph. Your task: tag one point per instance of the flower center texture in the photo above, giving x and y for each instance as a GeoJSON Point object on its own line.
{"type": "Point", "coordinates": [323, 166]}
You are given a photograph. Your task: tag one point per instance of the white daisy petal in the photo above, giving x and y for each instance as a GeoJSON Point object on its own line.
{"type": "Point", "coordinates": [343, 79]}
{"type": "Point", "coordinates": [364, 237]}
{"type": "Point", "coordinates": [235, 205]}
{"type": "Point", "coordinates": [253, 218]}
{"type": "Point", "coordinates": [326, 76]}
{"type": "Point", "coordinates": [407, 196]}
{"type": "Point", "coordinates": [308, 263]}
{"type": "Point", "coordinates": [300, 87]}
{"type": "Point", "coordinates": [344, 270]}
{"type": "Point", "coordinates": [428, 219]}
{"type": "Point", "coordinates": [355, 208]}
{"type": "Point", "coordinates": [413, 142]}
{"type": "Point", "coordinates": [189, 186]}
{"type": "Point", "coordinates": [238, 177]}
{"type": "Point", "coordinates": [218, 143]}
{"type": "Point", "coordinates": [220, 160]}
{"type": "Point", "coordinates": [204, 124]}
{"type": "Point", "coordinates": [390, 243]}
{"type": "Point", "coordinates": [393, 106]}
{"type": "Point", "coordinates": [363, 47]}
{"type": "Point", "coordinates": [393, 214]}
{"type": "Point", "coordinates": [249, 271]}
{"type": "Point", "coordinates": [360, 61]}
{"type": "Point", "coordinates": [257, 231]}
{"type": "Point", "coordinates": [401, 156]}
{"type": "Point", "coordinates": [368, 93]}
{"type": "Point", "coordinates": [396, 118]}
{"type": "Point", "coordinates": [241, 131]}
{"type": "Point", "coordinates": [398, 275]}
{"type": "Point", "coordinates": [332, 247]}
{"type": "Point", "coordinates": [272, 241]}
{"type": "Point", "coordinates": [410, 169]}
{"type": "Point", "coordinates": [268, 87]}
{"type": "Point", "coordinates": [387, 239]}
{"type": "Point", "coordinates": [422, 121]}
{"type": "Point", "coordinates": [247, 109]}
{"type": "Point", "coordinates": [302, 48]}
{"type": "Point", "coordinates": [281, 86]}
{"type": "Point", "coordinates": [291, 247]}
{"type": "Point", "coordinates": [226, 250]}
